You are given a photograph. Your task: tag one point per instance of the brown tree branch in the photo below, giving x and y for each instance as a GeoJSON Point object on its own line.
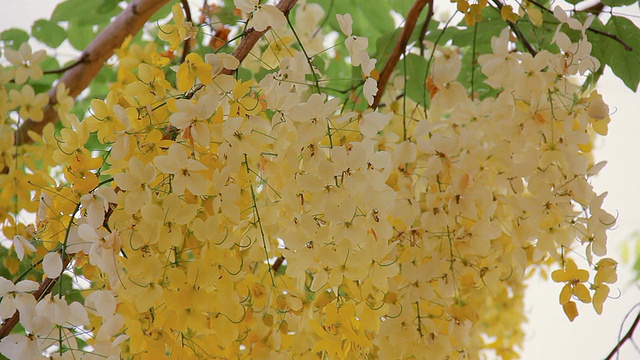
{"type": "Point", "coordinates": [516, 30]}
{"type": "Point", "coordinates": [79, 61]}
{"type": "Point", "coordinates": [409, 25]}
{"type": "Point", "coordinates": [129, 22]}
{"type": "Point", "coordinates": [250, 39]}
{"type": "Point", "coordinates": [187, 43]}
{"type": "Point", "coordinates": [42, 291]}
{"type": "Point", "coordinates": [425, 27]}
{"type": "Point", "coordinates": [626, 337]}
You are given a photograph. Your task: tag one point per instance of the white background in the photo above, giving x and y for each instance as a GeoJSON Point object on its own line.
{"type": "Point", "coordinates": [549, 334]}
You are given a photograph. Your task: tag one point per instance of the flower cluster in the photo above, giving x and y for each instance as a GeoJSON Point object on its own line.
{"type": "Point", "coordinates": [264, 218]}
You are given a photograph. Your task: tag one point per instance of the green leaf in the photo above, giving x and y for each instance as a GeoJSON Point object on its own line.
{"type": "Point", "coordinates": [64, 287]}
{"type": "Point", "coordinates": [622, 62]}
{"type": "Point", "coordinates": [162, 13]}
{"type": "Point", "coordinates": [86, 12]}
{"type": "Point", "coordinates": [44, 83]}
{"type": "Point", "coordinates": [337, 75]}
{"type": "Point", "coordinates": [50, 33]}
{"type": "Point", "coordinates": [613, 3]}
{"type": "Point", "coordinates": [370, 20]}
{"type": "Point", "coordinates": [416, 68]}
{"type": "Point", "coordinates": [401, 6]}
{"type": "Point", "coordinates": [490, 26]}
{"type": "Point", "coordinates": [227, 13]}
{"type": "Point", "coordinates": [80, 35]}
{"type": "Point", "coordinates": [13, 37]}
{"type": "Point", "coordinates": [385, 45]}
{"type": "Point", "coordinates": [318, 63]}
{"type": "Point", "coordinates": [73, 9]}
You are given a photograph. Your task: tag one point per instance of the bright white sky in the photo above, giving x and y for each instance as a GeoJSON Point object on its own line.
{"type": "Point", "coordinates": [549, 334]}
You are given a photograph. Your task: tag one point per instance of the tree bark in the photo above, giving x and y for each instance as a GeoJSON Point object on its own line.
{"type": "Point", "coordinates": [76, 79]}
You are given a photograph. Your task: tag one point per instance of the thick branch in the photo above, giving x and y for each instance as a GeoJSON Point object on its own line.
{"type": "Point", "coordinates": [409, 25]}
{"type": "Point", "coordinates": [76, 79]}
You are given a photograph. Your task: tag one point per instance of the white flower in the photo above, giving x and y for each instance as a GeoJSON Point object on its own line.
{"type": "Point", "coordinates": [370, 89]}
{"type": "Point", "coordinates": [15, 296]}
{"type": "Point", "coordinates": [193, 118]}
{"type": "Point", "coordinates": [27, 62]}
{"type": "Point", "coordinates": [20, 244]}
{"type": "Point", "coordinates": [136, 184]}
{"type": "Point", "coordinates": [357, 47]}
{"type": "Point", "coordinates": [97, 203]}
{"type": "Point", "coordinates": [345, 21]}
{"type": "Point", "coordinates": [184, 171]}
{"type": "Point", "coordinates": [20, 346]}
{"type": "Point", "coordinates": [263, 16]}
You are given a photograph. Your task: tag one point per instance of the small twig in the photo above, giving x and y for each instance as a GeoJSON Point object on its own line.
{"type": "Point", "coordinates": [626, 337]}
{"type": "Point", "coordinates": [613, 37]}
{"type": "Point", "coordinates": [79, 61]}
{"type": "Point", "coordinates": [42, 291]}
{"type": "Point", "coordinates": [276, 265]}
{"type": "Point", "coordinates": [409, 25]}
{"type": "Point", "coordinates": [473, 60]}
{"type": "Point", "coordinates": [516, 30]}
{"type": "Point", "coordinates": [187, 42]}
{"type": "Point", "coordinates": [304, 51]}
{"type": "Point", "coordinates": [425, 27]}
{"type": "Point", "coordinates": [76, 79]}
{"type": "Point", "coordinates": [248, 42]}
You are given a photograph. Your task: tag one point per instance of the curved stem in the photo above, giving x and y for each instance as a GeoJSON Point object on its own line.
{"type": "Point", "coordinates": [79, 61]}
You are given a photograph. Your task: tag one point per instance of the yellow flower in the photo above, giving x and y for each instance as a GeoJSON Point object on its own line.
{"type": "Point", "coordinates": [574, 278]}
{"type": "Point", "coordinates": [27, 62]}
{"type": "Point", "coordinates": [30, 104]}
{"type": "Point", "coordinates": [193, 67]}
{"type": "Point", "coordinates": [184, 171]}
{"type": "Point", "coordinates": [151, 84]}
{"type": "Point", "coordinates": [176, 32]}
{"type": "Point", "coordinates": [109, 117]}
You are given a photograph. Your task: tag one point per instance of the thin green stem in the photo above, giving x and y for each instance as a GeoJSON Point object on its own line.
{"type": "Point", "coordinates": [304, 51]}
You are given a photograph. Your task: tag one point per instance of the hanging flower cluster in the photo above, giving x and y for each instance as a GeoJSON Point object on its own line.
{"type": "Point", "coordinates": [265, 219]}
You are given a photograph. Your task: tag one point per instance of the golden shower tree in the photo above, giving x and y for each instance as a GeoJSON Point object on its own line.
{"type": "Point", "coordinates": [305, 179]}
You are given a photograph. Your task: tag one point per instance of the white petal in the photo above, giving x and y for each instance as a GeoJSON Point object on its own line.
{"type": "Point", "coordinates": [52, 265]}
{"type": "Point", "coordinates": [370, 89]}
{"type": "Point", "coordinates": [345, 23]}
{"type": "Point", "coordinates": [26, 286]}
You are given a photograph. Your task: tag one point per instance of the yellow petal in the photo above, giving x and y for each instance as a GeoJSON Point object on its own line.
{"type": "Point", "coordinates": [599, 297]}
{"type": "Point", "coordinates": [535, 16]}
{"type": "Point", "coordinates": [184, 79]}
{"type": "Point", "coordinates": [565, 294]}
{"type": "Point", "coordinates": [582, 293]}
{"type": "Point", "coordinates": [582, 275]}
{"type": "Point", "coordinates": [507, 14]}
{"type": "Point", "coordinates": [559, 276]}
{"type": "Point", "coordinates": [571, 310]}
